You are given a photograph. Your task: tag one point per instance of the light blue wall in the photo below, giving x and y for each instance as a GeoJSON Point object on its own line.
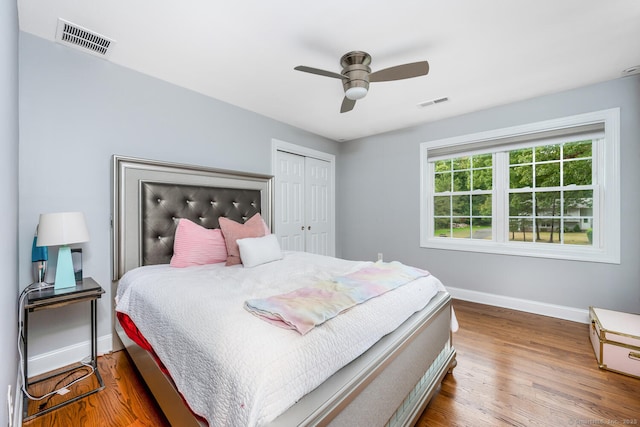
{"type": "Point", "coordinates": [8, 201]}
{"type": "Point", "coordinates": [77, 111]}
{"type": "Point", "coordinates": [379, 209]}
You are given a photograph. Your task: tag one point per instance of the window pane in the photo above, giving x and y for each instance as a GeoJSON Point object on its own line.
{"type": "Point", "coordinates": [461, 163]}
{"type": "Point", "coordinates": [443, 165]}
{"type": "Point", "coordinates": [518, 157]}
{"type": "Point", "coordinates": [548, 203]}
{"type": "Point", "coordinates": [576, 150]}
{"type": "Point", "coordinates": [442, 206]}
{"type": "Point", "coordinates": [521, 176]}
{"type": "Point", "coordinates": [461, 229]}
{"type": "Point", "coordinates": [548, 231]}
{"type": "Point", "coordinates": [520, 230]}
{"type": "Point", "coordinates": [442, 182]}
{"type": "Point", "coordinates": [577, 172]}
{"type": "Point", "coordinates": [578, 203]}
{"type": "Point", "coordinates": [481, 228]}
{"type": "Point", "coordinates": [582, 237]}
{"type": "Point", "coordinates": [442, 227]}
{"type": "Point", "coordinates": [481, 205]}
{"type": "Point", "coordinates": [482, 179]}
{"type": "Point", "coordinates": [461, 205]}
{"type": "Point", "coordinates": [547, 152]}
{"type": "Point", "coordinates": [461, 181]}
{"type": "Point", "coordinates": [578, 217]}
{"type": "Point", "coordinates": [482, 161]}
{"type": "Point", "coordinates": [548, 174]}
{"type": "Point", "coordinates": [521, 204]}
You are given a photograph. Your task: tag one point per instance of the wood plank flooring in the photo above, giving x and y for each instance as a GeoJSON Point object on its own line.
{"type": "Point", "coordinates": [124, 402]}
{"type": "Point", "coordinates": [514, 369]}
{"type": "Point", "coordinates": [521, 369]}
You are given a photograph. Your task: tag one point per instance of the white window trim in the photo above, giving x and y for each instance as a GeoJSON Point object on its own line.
{"type": "Point", "coordinates": [606, 246]}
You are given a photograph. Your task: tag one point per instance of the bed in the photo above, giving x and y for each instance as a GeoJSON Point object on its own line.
{"type": "Point", "coordinates": [387, 381]}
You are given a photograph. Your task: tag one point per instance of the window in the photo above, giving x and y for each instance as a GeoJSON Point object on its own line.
{"type": "Point", "coordinates": [462, 202]}
{"type": "Point", "coordinates": [550, 193]}
{"type": "Point", "coordinates": [534, 190]}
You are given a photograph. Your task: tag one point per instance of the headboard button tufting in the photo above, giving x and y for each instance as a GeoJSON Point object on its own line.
{"type": "Point", "coordinates": [163, 205]}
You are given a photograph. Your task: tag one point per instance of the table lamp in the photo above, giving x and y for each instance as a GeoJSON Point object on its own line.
{"type": "Point", "coordinates": [63, 229]}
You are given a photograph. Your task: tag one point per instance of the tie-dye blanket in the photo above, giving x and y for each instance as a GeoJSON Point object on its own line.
{"type": "Point", "coordinates": [306, 308]}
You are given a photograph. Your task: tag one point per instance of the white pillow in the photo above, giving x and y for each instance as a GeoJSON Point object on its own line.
{"type": "Point", "coordinates": [259, 250]}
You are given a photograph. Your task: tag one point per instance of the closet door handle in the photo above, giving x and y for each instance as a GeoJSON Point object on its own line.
{"type": "Point", "coordinates": [302, 228]}
{"type": "Point", "coordinates": [309, 228]}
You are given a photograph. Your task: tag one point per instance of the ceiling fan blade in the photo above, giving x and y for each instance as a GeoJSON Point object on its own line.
{"type": "Point", "coordinates": [319, 72]}
{"type": "Point", "coordinates": [399, 72]}
{"type": "Point", "coordinates": [347, 105]}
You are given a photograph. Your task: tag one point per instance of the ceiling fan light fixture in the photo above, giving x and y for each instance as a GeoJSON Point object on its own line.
{"type": "Point", "coordinates": [355, 93]}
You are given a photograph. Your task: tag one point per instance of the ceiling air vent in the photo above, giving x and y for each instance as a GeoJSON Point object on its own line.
{"type": "Point", "coordinates": [80, 38]}
{"type": "Point", "coordinates": [433, 101]}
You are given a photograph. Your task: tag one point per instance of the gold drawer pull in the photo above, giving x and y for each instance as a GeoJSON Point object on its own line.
{"type": "Point", "coordinates": [634, 356]}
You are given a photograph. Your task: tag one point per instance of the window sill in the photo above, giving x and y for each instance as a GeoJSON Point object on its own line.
{"type": "Point", "coordinates": [535, 250]}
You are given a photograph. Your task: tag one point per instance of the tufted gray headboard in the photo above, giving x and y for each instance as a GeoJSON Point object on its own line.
{"type": "Point", "coordinates": [164, 204]}
{"type": "Point", "coordinates": [149, 197]}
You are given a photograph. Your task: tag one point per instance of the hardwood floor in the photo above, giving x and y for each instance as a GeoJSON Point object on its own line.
{"type": "Point", "coordinates": [522, 369]}
{"type": "Point", "coordinates": [124, 402]}
{"type": "Point", "coordinates": [514, 368]}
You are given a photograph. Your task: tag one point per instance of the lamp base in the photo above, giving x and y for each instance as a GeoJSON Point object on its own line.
{"type": "Point", "coordinates": [65, 278]}
{"type": "Point", "coordinates": [39, 272]}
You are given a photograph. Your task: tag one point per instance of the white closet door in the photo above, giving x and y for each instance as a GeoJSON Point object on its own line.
{"type": "Point", "coordinates": [290, 220]}
{"type": "Point", "coordinates": [317, 187]}
{"type": "Point", "coordinates": [303, 203]}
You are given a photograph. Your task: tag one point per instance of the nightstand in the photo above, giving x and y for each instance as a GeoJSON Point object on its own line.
{"type": "Point", "coordinates": [86, 291]}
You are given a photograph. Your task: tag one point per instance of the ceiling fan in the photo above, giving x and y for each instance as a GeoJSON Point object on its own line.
{"type": "Point", "coordinates": [356, 75]}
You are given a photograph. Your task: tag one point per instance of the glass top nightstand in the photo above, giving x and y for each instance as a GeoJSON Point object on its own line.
{"type": "Point", "coordinates": [48, 298]}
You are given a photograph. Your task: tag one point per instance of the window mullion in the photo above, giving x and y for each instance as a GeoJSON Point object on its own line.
{"type": "Point", "coordinates": [598, 174]}
{"type": "Point", "coordinates": [501, 197]}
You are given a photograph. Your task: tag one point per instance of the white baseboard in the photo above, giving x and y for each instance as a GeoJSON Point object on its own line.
{"type": "Point", "coordinates": [64, 356]}
{"type": "Point", "coordinates": [536, 307]}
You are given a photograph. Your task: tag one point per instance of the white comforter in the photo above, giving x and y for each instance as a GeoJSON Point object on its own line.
{"type": "Point", "coordinates": [235, 369]}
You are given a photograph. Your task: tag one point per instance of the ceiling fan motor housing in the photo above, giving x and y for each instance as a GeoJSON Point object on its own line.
{"type": "Point", "coordinates": [356, 68]}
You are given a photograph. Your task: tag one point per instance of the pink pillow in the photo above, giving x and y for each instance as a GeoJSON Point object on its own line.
{"type": "Point", "coordinates": [196, 245]}
{"type": "Point", "coordinates": [232, 231]}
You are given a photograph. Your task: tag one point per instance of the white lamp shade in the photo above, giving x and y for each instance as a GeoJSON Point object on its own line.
{"type": "Point", "coordinates": [62, 228]}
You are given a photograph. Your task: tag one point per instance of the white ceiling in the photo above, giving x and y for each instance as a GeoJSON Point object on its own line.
{"type": "Point", "coordinates": [481, 53]}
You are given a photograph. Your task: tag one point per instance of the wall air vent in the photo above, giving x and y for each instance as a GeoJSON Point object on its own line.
{"type": "Point", "coordinates": [86, 40]}
{"type": "Point", "coordinates": [433, 101]}
{"type": "Point", "coordinates": [631, 71]}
